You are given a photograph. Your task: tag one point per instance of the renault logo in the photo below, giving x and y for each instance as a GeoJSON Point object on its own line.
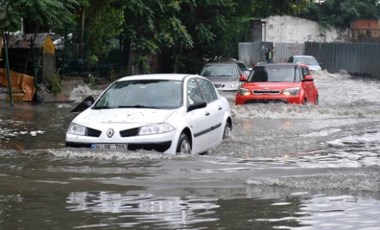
{"type": "Point", "coordinates": [110, 133]}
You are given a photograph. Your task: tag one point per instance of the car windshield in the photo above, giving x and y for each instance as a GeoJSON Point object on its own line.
{"type": "Point", "coordinates": [158, 94]}
{"type": "Point", "coordinates": [219, 71]}
{"type": "Point", "coordinates": [307, 60]}
{"type": "Point", "coordinates": [242, 66]}
{"type": "Point", "coordinates": [272, 74]}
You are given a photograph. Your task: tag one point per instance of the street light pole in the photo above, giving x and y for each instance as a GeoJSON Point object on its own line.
{"type": "Point", "coordinates": [7, 70]}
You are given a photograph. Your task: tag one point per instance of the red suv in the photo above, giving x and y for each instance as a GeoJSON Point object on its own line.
{"type": "Point", "coordinates": [285, 82]}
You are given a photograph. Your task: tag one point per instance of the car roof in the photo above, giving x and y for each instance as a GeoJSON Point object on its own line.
{"type": "Point", "coordinates": [304, 56]}
{"type": "Point", "coordinates": [158, 76]}
{"type": "Point", "coordinates": [263, 64]}
{"type": "Point", "coordinates": [276, 64]}
{"type": "Point", "coordinates": [222, 63]}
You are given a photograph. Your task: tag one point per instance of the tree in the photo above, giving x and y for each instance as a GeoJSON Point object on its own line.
{"type": "Point", "coordinates": [340, 13]}
{"type": "Point", "coordinates": [152, 26]}
{"type": "Point", "coordinates": [103, 21]}
{"type": "Point", "coordinates": [214, 27]}
{"type": "Point", "coordinates": [48, 13]}
{"type": "Point", "coordinates": [267, 8]}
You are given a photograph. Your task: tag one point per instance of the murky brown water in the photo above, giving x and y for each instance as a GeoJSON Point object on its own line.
{"type": "Point", "coordinates": [285, 167]}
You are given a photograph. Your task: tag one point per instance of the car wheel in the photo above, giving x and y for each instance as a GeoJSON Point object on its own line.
{"type": "Point", "coordinates": [227, 130]}
{"type": "Point", "coordinates": [184, 145]}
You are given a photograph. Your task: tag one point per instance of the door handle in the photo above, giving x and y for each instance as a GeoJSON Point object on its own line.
{"type": "Point", "coordinates": [220, 108]}
{"type": "Point", "coordinates": [207, 113]}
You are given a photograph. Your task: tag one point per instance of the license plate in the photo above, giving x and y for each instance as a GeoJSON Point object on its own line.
{"type": "Point", "coordinates": [110, 146]}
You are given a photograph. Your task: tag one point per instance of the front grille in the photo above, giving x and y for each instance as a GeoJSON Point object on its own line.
{"type": "Point", "coordinates": [253, 101]}
{"type": "Point", "coordinates": [93, 132]}
{"type": "Point", "coordinates": [266, 91]}
{"type": "Point", "coordinates": [129, 132]}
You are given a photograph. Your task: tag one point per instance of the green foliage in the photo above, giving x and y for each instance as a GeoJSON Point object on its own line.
{"type": "Point", "coordinates": [267, 8]}
{"type": "Point", "coordinates": [103, 22]}
{"type": "Point", "coordinates": [55, 85]}
{"type": "Point", "coordinates": [340, 13]}
{"type": "Point", "coordinates": [43, 12]}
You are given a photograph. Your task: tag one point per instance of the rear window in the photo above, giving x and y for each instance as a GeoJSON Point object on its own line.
{"type": "Point", "coordinates": [219, 71]}
{"type": "Point", "coordinates": [307, 60]}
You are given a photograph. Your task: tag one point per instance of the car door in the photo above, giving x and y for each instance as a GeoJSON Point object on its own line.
{"type": "Point", "coordinates": [308, 85]}
{"type": "Point", "coordinates": [214, 108]}
{"type": "Point", "coordinates": [198, 120]}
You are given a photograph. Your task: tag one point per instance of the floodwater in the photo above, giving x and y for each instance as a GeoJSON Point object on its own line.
{"type": "Point", "coordinates": [285, 167]}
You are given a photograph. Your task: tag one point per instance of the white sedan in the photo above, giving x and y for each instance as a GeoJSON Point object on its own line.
{"type": "Point", "coordinates": [171, 113]}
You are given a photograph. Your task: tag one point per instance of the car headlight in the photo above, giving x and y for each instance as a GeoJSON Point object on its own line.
{"type": "Point", "coordinates": [234, 85]}
{"type": "Point", "coordinates": [77, 129]}
{"type": "Point", "coordinates": [243, 91]}
{"type": "Point", "coordinates": [156, 129]}
{"type": "Point", "coordinates": [292, 91]}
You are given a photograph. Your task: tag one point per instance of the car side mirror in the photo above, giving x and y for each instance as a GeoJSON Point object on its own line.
{"type": "Point", "coordinates": [197, 105]}
{"type": "Point", "coordinates": [86, 103]}
{"type": "Point", "coordinates": [243, 78]}
{"type": "Point", "coordinates": [308, 78]}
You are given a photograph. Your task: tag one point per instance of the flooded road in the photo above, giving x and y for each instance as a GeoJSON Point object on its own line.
{"type": "Point", "coordinates": [284, 167]}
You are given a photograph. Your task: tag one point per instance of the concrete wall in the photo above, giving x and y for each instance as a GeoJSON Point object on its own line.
{"type": "Point", "coordinates": [365, 30]}
{"type": "Point", "coordinates": [289, 29]}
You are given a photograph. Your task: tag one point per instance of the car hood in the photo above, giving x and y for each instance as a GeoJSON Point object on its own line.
{"type": "Point", "coordinates": [269, 85]}
{"type": "Point", "coordinates": [129, 115]}
{"type": "Point", "coordinates": [314, 67]}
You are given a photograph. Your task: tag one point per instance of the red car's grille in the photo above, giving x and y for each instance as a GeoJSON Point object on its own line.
{"type": "Point", "coordinates": [266, 91]}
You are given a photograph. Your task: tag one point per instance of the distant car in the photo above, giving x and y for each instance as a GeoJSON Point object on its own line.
{"type": "Point", "coordinates": [243, 67]}
{"type": "Point", "coordinates": [224, 75]}
{"type": "Point", "coordinates": [285, 82]}
{"type": "Point", "coordinates": [170, 113]}
{"type": "Point", "coordinates": [310, 61]}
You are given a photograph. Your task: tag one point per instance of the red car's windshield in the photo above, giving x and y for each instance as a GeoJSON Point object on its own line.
{"type": "Point", "coordinates": [272, 74]}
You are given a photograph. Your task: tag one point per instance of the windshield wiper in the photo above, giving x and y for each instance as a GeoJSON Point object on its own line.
{"type": "Point", "coordinates": [103, 107]}
{"type": "Point", "coordinates": [136, 106]}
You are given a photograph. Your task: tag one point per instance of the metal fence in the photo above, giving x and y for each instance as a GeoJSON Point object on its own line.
{"type": "Point", "coordinates": [355, 58]}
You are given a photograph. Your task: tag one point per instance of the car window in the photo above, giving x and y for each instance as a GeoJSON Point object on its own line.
{"type": "Point", "coordinates": [219, 70]}
{"type": "Point", "coordinates": [272, 74]}
{"type": "Point", "coordinates": [307, 60]}
{"type": "Point", "coordinates": [194, 93]}
{"type": "Point", "coordinates": [305, 71]}
{"type": "Point", "coordinates": [258, 74]}
{"type": "Point", "coordinates": [161, 94]}
{"type": "Point", "coordinates": [298, 74]}
{"type": "Point", "coordinates": [242, 66]}
{"type": "Point", "coordinates": [208, 90]}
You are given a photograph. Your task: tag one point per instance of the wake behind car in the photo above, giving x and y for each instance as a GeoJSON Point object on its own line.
{"type": "Point", "coordinates": [286, 82]}
{"type": "Point", "coordinates": [170, 113]}
{"type": "Point", "coordinates": [224, 75]}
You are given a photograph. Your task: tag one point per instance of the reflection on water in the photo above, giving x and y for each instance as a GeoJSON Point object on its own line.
{"type": "Point", "coordinates": [141, 209]}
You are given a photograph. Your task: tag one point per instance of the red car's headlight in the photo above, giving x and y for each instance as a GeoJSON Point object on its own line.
{"type": "Point", "coordinates": [291, 91]}
{"type": "Point", "coordinates": [243, 91]}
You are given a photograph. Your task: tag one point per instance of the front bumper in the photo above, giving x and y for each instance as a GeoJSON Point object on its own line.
{"type": "Point", "coordinates": [159, 147]}
{"type": "Point", "coordinates": [249, 99]}
{"type": "Point", "coordinates": [164, 142]}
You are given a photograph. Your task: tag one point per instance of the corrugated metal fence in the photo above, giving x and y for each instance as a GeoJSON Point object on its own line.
{"type": "Point", "coordinates": [355, 58]}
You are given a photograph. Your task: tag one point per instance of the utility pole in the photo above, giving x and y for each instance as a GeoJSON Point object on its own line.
{"type": "Point", "coordinates": [7, 70]}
